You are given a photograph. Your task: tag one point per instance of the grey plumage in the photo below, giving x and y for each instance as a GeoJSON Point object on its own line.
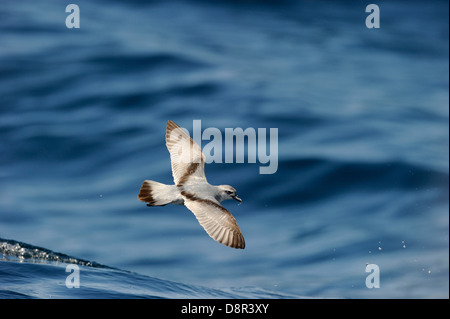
{"type": "Point", "coordinates": [193, 190]}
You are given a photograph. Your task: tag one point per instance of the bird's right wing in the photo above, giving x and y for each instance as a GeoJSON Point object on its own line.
{"type": "Point", "coordinates": [187, 158]}
{"type": "Point", "coordinates": [216, 220]}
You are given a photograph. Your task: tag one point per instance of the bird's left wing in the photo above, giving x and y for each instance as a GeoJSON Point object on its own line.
{"type": "Point", "coordinates": [216, 220]}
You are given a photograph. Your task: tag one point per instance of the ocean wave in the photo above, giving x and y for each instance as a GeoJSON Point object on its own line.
{"type": "Point", "coordinates": [318, 179]}
{"type": "Point", "coordinates": [29, 271]}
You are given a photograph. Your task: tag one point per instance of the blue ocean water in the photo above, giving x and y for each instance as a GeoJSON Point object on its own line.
{"type": "Point", "coordinates": [363, 143]}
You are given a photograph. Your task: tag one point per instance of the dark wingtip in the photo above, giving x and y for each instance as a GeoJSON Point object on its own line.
{"type": "Point", "coordinates": [240, 244]}
{"type": "Point", "coordinates": [171, 125]}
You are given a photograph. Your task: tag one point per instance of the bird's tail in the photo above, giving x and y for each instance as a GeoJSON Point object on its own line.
{"type": "Point", "coordinates": [156, 194]}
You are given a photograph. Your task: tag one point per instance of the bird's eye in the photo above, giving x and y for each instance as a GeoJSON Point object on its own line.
{"type": "Point", "coordinates": [228, 192]}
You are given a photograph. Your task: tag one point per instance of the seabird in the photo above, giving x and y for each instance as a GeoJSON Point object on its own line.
{"type": "Point", "coordinates": [193, 190]}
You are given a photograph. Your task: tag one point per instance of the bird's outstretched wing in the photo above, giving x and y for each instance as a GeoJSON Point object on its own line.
{"type": "Point", "coordinates": [187, 158]}
{"type": "Point", "coordinates": [216, 220]}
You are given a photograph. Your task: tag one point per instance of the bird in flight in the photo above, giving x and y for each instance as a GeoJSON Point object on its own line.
{"type": "Point", "coordinates": [193, 190]}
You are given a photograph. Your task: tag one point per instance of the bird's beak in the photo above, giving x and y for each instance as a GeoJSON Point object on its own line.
{"type": "Point", "coordinates": [235, 197]}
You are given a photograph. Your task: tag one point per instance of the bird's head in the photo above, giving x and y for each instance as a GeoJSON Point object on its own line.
{"type": "Point", "coordinates": [228, 192]}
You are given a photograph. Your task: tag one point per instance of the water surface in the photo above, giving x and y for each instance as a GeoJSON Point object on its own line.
{"type": "Point", "coordinates": [362, 117]}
